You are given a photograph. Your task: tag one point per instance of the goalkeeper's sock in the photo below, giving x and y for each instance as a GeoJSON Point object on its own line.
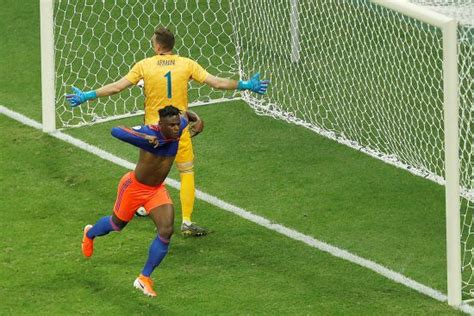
{"type": "Point", "coordinates": [156, 253]}
{"type": "Point", "coordinates": [186, 195]}
{"type": "Point", "coordinates": [103, 226]}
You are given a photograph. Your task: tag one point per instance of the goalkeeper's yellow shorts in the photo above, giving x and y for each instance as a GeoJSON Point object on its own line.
{"type": "Point", "coordinates": [185, 149]}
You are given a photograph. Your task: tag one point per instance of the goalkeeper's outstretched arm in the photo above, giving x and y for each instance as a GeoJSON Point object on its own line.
{"type": "Point", "coordinates": [78, 97]}
{"type": "Point", "coordinates": [254, 84]}
{"type": "Point", "coordinates": [113, 88]}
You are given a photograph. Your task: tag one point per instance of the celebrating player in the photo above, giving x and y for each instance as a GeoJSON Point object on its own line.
{"type": "Point", "coordinates": [144, 187]}
{"type": "Point", "coordinates": [166, 76]}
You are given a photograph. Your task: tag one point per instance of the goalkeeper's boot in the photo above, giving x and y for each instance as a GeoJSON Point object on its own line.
{"type": "Point", "coordinates": [87, 243]}
{"type": "Point", "coordinates": [145, 284]}
{"type": "Point", "coordinates": [193, 230]}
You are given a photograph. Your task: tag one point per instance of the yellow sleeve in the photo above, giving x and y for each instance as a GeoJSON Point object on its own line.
{"type": "Point", "coordinates": [197, 72]}
{"type": "Point", "coordinates": [136, 73]}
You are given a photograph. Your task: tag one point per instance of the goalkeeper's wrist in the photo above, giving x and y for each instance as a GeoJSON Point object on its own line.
{"type": "Point", "coordinates": [90, 95]}
{"type": "Point", "coordinates": [243, 85]}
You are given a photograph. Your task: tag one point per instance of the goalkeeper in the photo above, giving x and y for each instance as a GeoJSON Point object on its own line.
{"type": "Point", "coordinates": [166, 76]}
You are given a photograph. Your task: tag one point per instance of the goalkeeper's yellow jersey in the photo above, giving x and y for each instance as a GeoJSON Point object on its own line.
{"type": "Point", "coordinates": [166, 80]}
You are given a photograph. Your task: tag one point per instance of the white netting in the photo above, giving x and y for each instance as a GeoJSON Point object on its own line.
{"type": "Point", "coordinates": [97, 42]}
{"type": "Point", "coordinates": [463, 12]}
{"type": "Point", "coordinates": [368, 77]}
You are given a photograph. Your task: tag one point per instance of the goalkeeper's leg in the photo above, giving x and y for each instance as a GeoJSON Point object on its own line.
{"type": "Point", "coordinates": [185, 165]}
{"type": "Point", "coordinates": [187, 191]}
{"type": "Point", "coordinates": [187, 195]}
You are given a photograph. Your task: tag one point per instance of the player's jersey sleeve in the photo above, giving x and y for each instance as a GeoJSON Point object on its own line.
{"type": "Point", "coordinates": [183, 125]}
{"type": "Point", "coordinates": [136, 136]}
{"type": "Point", "coordinates": [136, 73]}
{"type": "Point", "coordinates": [197, 72]}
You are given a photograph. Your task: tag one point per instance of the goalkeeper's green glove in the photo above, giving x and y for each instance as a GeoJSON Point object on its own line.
{"type": "Point", "coordinates": [79, 97]}
{"type": "Point", "coordinates": [254, 84]}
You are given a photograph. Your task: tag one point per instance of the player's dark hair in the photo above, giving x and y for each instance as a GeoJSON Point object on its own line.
{"type": "Point", "coordinates": [169, 110]}
{"type": "Point", "coordinates": [164, 37]}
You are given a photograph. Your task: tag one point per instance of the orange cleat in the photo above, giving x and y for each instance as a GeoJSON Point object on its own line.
{"type": "Point", "coordinates": [87, 243]}
{"type": "Point", "coordinates": [144, 284]}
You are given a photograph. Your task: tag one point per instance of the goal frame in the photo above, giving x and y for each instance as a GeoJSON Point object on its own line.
{"type": "Point", "coordinates": [48, 91]}
{"type": "Point", "coordinates": [448, 27]}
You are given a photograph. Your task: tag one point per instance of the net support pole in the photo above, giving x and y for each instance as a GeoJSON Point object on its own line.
{"type": "Point", "coordinates": [47, 65]}
{"type": "Point", "coordinates": [451, 136]}
{"type": "Point", "coordinates": [451, 147]}
{"type": "Point", "coordinates": [294, 31]}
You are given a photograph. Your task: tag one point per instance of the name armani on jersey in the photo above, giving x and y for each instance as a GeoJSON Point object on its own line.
{"type": "Point", "coordinates": [165, 62]}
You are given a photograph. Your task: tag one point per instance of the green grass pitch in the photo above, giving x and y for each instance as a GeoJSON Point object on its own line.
{"type": "Point", "coordinates": [50, 190]}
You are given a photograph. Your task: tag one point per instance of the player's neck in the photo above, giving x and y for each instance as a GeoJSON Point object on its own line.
{"type": "Point", "coordinates": [170, 52]}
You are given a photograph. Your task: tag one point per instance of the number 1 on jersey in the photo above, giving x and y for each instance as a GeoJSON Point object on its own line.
{"type": "Point", "coordinates": [168, 79]}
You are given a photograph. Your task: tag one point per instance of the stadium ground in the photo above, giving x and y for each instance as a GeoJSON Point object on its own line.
{"type": "Point", "coordinates": [284, 173]}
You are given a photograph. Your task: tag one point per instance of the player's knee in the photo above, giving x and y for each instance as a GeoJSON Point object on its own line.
{"type": "Point", "coordinates": [185, 167]}
{"type": "Point", "coordinates": [117, 223]}
{"type": "Point", "coordinates": [166, 231]}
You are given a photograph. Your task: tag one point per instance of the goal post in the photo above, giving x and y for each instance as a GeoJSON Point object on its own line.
{"type": "Point", "coordinates": [48, 72]}
{"type": "Point", "coordinates": [452, 177]}
{"type": "Point", "coordinates": [451, 136]}
{"type": "Point", "coordinates": [295, 37]}
{"type": "Point", "coordinates": [382, 77]}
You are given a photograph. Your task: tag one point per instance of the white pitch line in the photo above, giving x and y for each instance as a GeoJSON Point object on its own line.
{"type": "Point", "coordinates": [262, 221]}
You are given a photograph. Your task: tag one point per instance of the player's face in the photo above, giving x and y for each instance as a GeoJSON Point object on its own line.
{"type": "Point", "coordinates": [169, 126]}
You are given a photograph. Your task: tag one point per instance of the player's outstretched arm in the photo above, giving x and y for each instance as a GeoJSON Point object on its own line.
{"type": "Point", "coordinates": [254, 84]}
{"type": "Point", "coordinates": [141, 137]}
{"type": "Point", "coordinates": [78, 97]}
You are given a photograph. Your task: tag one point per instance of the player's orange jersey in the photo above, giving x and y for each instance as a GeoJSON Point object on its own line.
{"type": "Point", "coordinates": [166, 80]}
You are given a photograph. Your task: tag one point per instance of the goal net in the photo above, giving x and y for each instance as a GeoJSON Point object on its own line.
{"type": "Point", "coordinates": [367, 77]}
{"type": "Point", "coordinates": [463, 12]}
{"type": "Point", "coordinates": [353, 71]}
{"type": "Point", "coordinates": [97, 42]}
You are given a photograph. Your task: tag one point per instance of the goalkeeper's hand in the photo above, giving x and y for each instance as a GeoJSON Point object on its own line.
{"type": "Point", "coordinates": [78, 97]}
{"type": "Point", "coordinates": [254, 84]}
